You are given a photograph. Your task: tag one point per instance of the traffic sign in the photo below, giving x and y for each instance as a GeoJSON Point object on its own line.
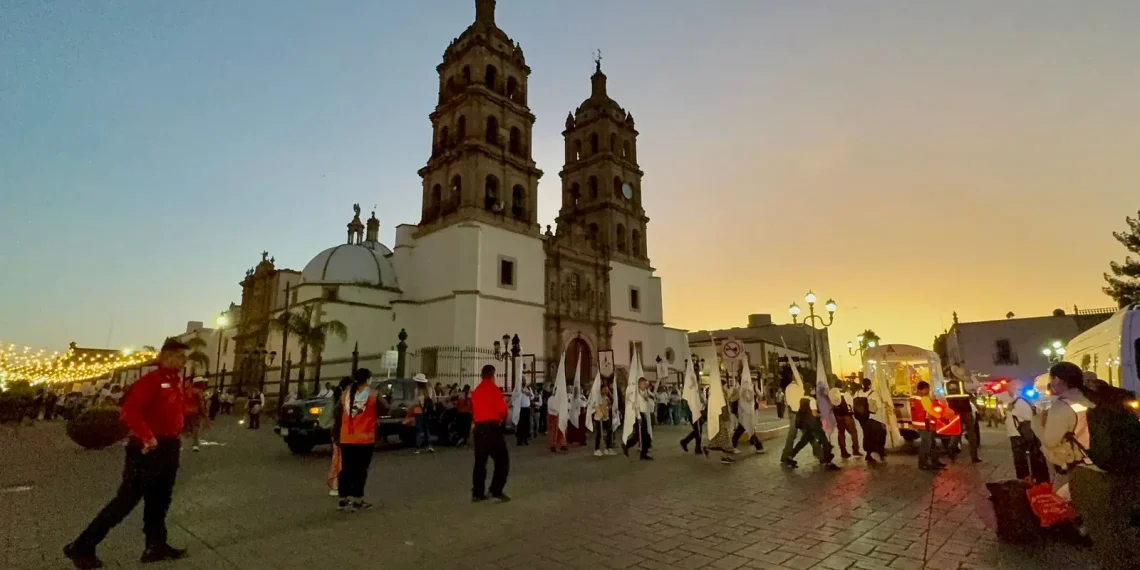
{"type": "Point", "coordinates": [732, 349]}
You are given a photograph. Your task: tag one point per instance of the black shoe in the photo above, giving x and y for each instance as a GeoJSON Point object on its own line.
{"type": "Point", "coordinates": [727, 460]}
{"type": "Point", "coordinates": [478, 499]}
{"type": "Point", "coordinates": [501, 497]}
{"type": "Point", "coordinates": [646, 458]}
{"type": "Point", "coordinates": [845, 455]}
{"type": "Point", "coordinates": [82, 560]}
{"type": "Point", "coordinates": [360, 505]}
{"type": "Point", "coordinates": [870, 460]}
{"type": "Point", "coordinates": [625, 450]}
{"type": "Point", "coordinates": [161, 553]}
{"type": "Point", "coordinates": [830, 467]}
{"type": "Point", "coordinates": [976, 460]}
{"type": "Point", "coordinates": [789, 463]}
{"type": "Point", "coordinates": [684, 447]}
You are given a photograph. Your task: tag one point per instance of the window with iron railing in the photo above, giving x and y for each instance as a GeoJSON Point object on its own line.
{"type": "Point", "coordinates": [1003, 353]}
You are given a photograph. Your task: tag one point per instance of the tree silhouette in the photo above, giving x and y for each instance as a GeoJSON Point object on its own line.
{"type": "Point", "coordinates": [1124, 282]}
{"type": "Point", "coordinates": [868, 336]}
{"type": "Point", "coordinates": [197, 357]}
{"type": "Point", "coordinates": [310, 335]}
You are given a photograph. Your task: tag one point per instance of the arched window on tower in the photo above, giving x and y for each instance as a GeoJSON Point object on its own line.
{"type": "Point", "coordinates": [455, 193]}
{"type": "Point", "coordinates": [613, 142]}
{"type": "Point", "coordinates": [577, 150]}
{"type": "Point", "coordinates": [436, 198]}
{"type": "Point", "coordinates": [625, 149]}
{"type": "Point", "coordinates": [635, 242]}
{"type": "Point", "coordinates": [491, 194]}
{"type": "Point", "coordinates": [617, 187]}
{"type": "Point", "coordinates": [516, 141]}
{"type": "Point", "coordinates": [620, 237]}
{"type": "Point", "coordinates": [443, 138]}
{"type": "Point", "coordinates": [592, 184]}
{"type": "Point", "coordinates": [594, 143]}
{"type": "Point", "coordinates": [461, 129]}
{"type": "Point", "coordinates": [491, 77]}
{"type": "Point", "coordinates": [492, 130]}
{"type": "Point", "coordinates": [594, 233]}
{"type": "Point", "coordinates": [466, 75]}
{"type": "Point", "coordinates": [575, 193]}
{"type": "Point", "coordinates": [512, 89]}
{"type": "Point", "coordinates": [518, 202]}
{"type": "Point", "coordinates": [450, 90]}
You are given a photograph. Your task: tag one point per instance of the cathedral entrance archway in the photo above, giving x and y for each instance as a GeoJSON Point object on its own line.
{"type": "Point", "coordinates": [578, 350]}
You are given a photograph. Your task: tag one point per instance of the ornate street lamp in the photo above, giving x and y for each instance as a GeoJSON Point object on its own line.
{"type": "Point", "coordinates": [812, 319]}
{"type": "Point", "coordinates": [507, 356]}
{"type": "Point", "coordinates": [1055, 352]}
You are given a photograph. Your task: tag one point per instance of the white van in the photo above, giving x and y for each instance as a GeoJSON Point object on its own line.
{"type": "Point", "coordinates": [1111, 349]}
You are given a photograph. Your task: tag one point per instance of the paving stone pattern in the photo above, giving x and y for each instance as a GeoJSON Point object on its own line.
{"type": "Point", "coordinates": [251, 504]}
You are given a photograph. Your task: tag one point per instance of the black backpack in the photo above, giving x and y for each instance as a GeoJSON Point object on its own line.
{"type": "Point", "coordinates": [1114, 439]}
{"type": "Point", "coordinates": [861, 408]}
{"type": "Point", "coordinates": [803, 413]}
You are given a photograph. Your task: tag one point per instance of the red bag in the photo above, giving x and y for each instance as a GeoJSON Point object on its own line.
{"type": "Point", "coordinates": [1049, 508]}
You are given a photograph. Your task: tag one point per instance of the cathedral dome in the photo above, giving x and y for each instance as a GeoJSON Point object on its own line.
{"type": "Point", "coordinates": [356, 264]}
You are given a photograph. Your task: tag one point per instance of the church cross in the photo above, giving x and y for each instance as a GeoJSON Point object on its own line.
{"type": "Point", "coordinates": [264, 255]}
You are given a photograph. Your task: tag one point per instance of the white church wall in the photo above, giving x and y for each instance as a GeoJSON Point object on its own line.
{"type": "Point", "coordinates": [497, 318]}
{"type": "Point", "coordinates": [445, 261]}
{"type": "Point", "coordinates": [626, 278]}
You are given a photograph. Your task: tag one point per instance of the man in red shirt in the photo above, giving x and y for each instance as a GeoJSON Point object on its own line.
{"type": "Point", "coordinates": [153, 411]}
{"type": "Point", "coordinates": [489, 414]}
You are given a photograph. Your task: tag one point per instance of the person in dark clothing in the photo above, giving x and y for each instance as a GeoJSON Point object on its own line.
{"type": "Point", "coordinates": [215, 404]}
{"type": "Point", "coordinates": [153, 413]}
{"type": "Point", "coordinates": [50, 400]}
{"type": "Point", "coordinates": [698, 422]}
{"type": "Point", "coordinates": [522, 430]}
{"type": "Point", "coordinates": [845, 422]}
{"type": "Point", "coordinates": [489, 414]}
{"type": "Point", "coordinates": [358, 410]}
{"type": "Point", "coordinates": [963, 406]}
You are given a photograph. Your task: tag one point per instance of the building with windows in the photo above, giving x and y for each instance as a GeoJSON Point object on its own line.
{"type": "Point", "coordinates": [478, 264]}
{"type": "Point", "coordinates": [764, 342]}
{"type": "Point", "coordinates": [1013, 347]}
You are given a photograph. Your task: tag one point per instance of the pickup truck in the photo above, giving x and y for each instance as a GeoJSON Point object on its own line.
{"type": "Point", "coordinates": [298, 425]}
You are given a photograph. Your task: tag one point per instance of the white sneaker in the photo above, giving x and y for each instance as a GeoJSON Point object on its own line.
{"type": "Point", "coordinates": [735, 450]}
{"type": "Point", "coordinates": [431, 449]}
{"type": "Point", "coordinates": [609, 451]}
{"type": "Point", "coordinates": [334, 493]}
{"type": "Point", "coordinates": [195, 448]}
{"type": "Point", "coordinates": [417, 452]}
{"type": "Point", "coordinates": [598, 453]}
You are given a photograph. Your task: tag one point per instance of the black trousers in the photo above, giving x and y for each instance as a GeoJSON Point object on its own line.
{"type": "Point", "coordinates": [522, 431]}
{"type": "Point", "coordinates": [874, 436]}
{"type": "Point", "coordinates": [1028, 460]}
{"type": "Point", "coordinates": [255, 421]}
{"type": "Point", "coordinates": [739, 431]}
{"type": "Point", "coordinates": [601, 427]}
{"type": "Point", "coordinates": [641, 434]}
{"type": "Point", "coordinates": [147, 477]}
{"type": "Point", "coordinates": [354, 462]}
{"type": "Point", "coordinates": [695, 434]}
{"type": "Point", "coordinates": [490, 443]}
{"type": "Point", "coordinates": [662, 414]}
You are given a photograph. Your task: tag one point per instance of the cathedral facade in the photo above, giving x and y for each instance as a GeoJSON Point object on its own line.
{"type": "Point", "coordinates": [478, 265]}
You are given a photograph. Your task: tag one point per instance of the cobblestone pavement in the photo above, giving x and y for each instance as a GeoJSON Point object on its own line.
{"type": "Point", "coordinates": [251, 504]}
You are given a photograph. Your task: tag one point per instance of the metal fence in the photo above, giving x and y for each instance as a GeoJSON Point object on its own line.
{"type": "Point", "coordinates": [464, 365]}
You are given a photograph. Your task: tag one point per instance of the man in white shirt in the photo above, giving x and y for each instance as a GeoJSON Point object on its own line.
{"type": "Point", "coordinates": [642, 433]}
{"type": "Point", "coordinates": [865, 410]}
{"type": "Point", "coordinates": [522, 430]}
{"type": "Point", "coordinates": [1027, 458]}
{"type": "Point", "coordinates": [804, 419]}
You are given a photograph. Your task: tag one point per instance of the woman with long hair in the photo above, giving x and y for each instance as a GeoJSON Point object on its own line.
{"type": "Point", "coordinates": [359, 409]}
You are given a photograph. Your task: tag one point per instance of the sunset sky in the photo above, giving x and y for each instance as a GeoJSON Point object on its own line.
{"type": "Point", "coordinates": [909, 159]}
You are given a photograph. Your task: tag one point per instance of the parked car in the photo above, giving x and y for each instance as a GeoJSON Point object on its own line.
{"type": "Point", "coordinates": [299, 428]}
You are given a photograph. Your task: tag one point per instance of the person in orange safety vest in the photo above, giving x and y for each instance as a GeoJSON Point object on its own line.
{"type": "Point", "coordinates": [924, 415]}
{"type": "Point", "coordinates": [358, 410]}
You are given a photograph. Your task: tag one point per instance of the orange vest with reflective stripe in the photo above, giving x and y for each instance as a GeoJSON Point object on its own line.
{"type": "Point", "coordinates": [917, 414]}
{"type": "Point", "coordinates": [358, 424]}
{"type": "Point", "coordinates": [951, 425]}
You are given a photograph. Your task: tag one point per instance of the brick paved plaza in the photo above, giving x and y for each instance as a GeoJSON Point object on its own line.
{"type": "Point", "coordinates": [251, 504]}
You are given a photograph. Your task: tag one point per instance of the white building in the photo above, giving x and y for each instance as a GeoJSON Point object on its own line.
{"type": "Point", "coordinates": [478, 265]}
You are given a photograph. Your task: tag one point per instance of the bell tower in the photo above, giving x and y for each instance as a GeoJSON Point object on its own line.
{"type": "Point", "coordinates": [601, 181]}
{"type": "Point", "coordinates": [481, 166]}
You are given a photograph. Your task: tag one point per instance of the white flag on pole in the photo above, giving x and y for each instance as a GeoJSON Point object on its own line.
{"type": "Point", "coordinates": [576, 395]}
{"type": "Point", "coordinates": [823, 398]}
{"type": "Point", "coordinates": [716, 400]}
{"type": "Point", "coordinates": [633, 400]}
{"type": "Point", "coordinates": [746, 406]}
{"type": "Point", "coordinates": [516, 395]}
{"type": "Point", "coordinates": [691, 392]}
{"type": "Point", "coordinates": [593, 401]}
{"type": "Point", "coordinates": [559, 404]}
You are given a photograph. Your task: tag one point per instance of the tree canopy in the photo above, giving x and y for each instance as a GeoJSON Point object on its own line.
{"type": "Point", "coordinates": [1124, 281]}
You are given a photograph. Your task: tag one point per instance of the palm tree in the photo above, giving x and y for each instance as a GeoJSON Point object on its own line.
{"type": "Point", "coordinates": [197, 357]}
{"type": "Point", "coordinates": [310, 335]}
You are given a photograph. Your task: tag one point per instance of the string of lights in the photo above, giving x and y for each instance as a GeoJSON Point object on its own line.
{"type": "Point", "coordinates": [40, 366]}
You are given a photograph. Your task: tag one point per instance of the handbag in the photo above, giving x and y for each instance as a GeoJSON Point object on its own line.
{"type": "Point", "coordinates": [1050, 509]}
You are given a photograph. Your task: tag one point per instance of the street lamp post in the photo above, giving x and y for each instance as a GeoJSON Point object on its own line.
{"type": "Point", "coordinates": [507, 356]}
{"type": "Point", "coordinates": [1055, 352]}
{"type": "Point", "coordinates": [812, 319]}
{"type": "Point", "coordinates": [222, 322]}
{"type": "Point", "coordinates": [266, 360]}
